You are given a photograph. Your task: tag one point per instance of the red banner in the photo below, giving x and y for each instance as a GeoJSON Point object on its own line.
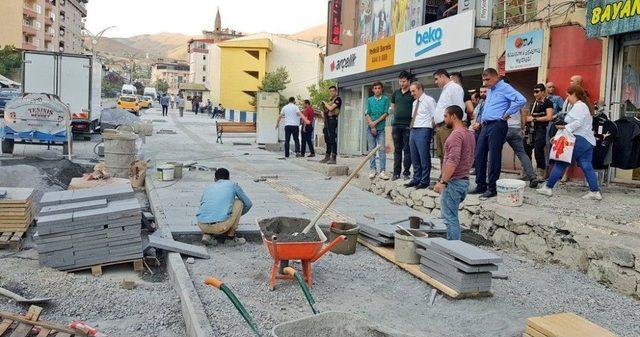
{"type": "Point", "coordinates": [336, 21]}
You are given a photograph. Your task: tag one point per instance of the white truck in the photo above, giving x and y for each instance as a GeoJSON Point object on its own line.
{"type": "Point", "coordinates": [76, 79]}
{"type": "Point", "coordinates": [128, 89]}
{"type": "Point", "coordinates": [151, 92]}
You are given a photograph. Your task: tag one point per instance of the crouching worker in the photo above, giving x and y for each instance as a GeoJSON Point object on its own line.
{"type": "Point", "coordinates": [221, 206]}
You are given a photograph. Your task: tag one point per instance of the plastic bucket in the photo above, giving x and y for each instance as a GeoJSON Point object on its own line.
{"type": "Point", "coordinates": [166, 172]}
{"type": "Point", "coordinates": [510, 192]}
{"type": "Point", "coordinates": [348, 246]}
{"type": "Point", "coordinates": [405, 246]}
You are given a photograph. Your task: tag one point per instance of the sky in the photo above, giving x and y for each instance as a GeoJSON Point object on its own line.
{"type": "Point", "coordinates": [190, 17]}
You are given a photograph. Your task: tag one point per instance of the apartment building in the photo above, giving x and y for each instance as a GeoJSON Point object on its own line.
{"type": "Point", "coordinates": [45, 25]}
{"type": "Point", "coordinates": [173, 72]}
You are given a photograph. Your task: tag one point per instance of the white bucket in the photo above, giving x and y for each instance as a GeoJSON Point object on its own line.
{"type": "Point", "coordinates": [510, 192]}
{"type": "Point", "coordinates": [166, 172]}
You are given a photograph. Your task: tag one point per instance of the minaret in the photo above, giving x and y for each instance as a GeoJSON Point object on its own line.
{"type": "Point", "coordinates": [218, 25]}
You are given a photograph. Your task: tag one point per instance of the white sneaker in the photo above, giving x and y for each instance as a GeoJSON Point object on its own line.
{"type": "Point", "coordinates": [372, 175]}
{"type": "Point", "coordinates": [545, 190]}
{"type": "Point", "coordinates": [383, 175]}
{"type": "Point", "coordinates": [592, 196]}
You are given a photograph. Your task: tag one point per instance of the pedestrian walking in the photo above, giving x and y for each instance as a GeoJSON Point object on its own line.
{"type": "Point", "coordinates": [164, 102]}
{"type": "Point", "coordinates": [502, 102]}
{"type": "Point", "coordinates": [331, 113]}
{"type": "Point", "coordinates": [196, 104]}
{"type": "Point", "coordinates": [579, 122]}
{"type": "Point", "coordinates": [541, 114]}
{"type": "Point", "coordinates": [424, 107]}
{"type": "Point", "coordinates": [181, 103]}
{"type": "Point", "coordinates": [376, 114]}
{"type": "Point", "coordinates": [292, 116]}
{"type": "Point", "coordinates": [401, 107]}
{"type": "Point", "coordinates": [454, 184]}
{"type": "Point", "coordinates": [173, 101]}
{"type": "Point", "coordinates": [516, 138]}
{"type": "Point", "coordinates": [452, 94]}
{"type": "Point", "coordinates": [307, 129]}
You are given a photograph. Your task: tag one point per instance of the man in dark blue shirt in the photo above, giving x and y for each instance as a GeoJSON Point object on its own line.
{"type": "Point", "coordinates": [502, 102]}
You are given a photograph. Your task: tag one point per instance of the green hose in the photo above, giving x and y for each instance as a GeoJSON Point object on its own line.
{"type": "Point", "coordinates": [240, 308]}
{"type": "Point", "coordinates": [307, 292]}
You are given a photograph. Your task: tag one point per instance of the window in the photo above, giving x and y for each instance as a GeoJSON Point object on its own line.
{"type": "Point", "coordinates": [37, 25]}
{"type": "Point", "coordinates": [512, 12]}
{"type": "Point", "coordinates": [204, 57]}
{"type": "Point", "coordinates": [204, 78]}
{"type": "Point", "coordinates": [36, 41]}
{"type": "Point", "coordinates": [204, 68]}
{"type": "Point", "coordinates": [38, 9]}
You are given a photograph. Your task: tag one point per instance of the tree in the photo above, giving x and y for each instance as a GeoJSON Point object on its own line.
{"type": "Point", "coordinates": [111, 84]}
{"type": "Point", "coordinates": [139, 87]}
{"type": "Point", "coordinates": [275, 81]}
{"type": "Point", "coordinates": [162, 86]}
{"type": "Point", "coordinates": [319, 92]}
{"type": "Point", "coordinates": [10, 62]}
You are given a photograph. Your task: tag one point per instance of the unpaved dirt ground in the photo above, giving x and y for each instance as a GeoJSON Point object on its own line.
{"type": "Point", "coordinates": [367, 285]}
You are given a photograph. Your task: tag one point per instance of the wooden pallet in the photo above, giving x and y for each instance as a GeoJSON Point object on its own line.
{"type": "Point", "coordinates": [414, 269]}
{"type": "Point", "coordinates": [11, 240]}
{"type": "Point", "coordinates": [566, 324]}
{"type": "Point", "coordinates": [29, 325]}
{"type": "Point", "coordinates": [96, 270]}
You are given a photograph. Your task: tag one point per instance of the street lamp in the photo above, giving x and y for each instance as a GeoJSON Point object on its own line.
{"type": "Point", "coordinates": [95, 38]}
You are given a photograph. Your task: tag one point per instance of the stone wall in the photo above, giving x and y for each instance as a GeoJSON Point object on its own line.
{"type": "Point", "coordinates": [609, 254]}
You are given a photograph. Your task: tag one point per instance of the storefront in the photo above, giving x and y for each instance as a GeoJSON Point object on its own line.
{"type": "Point", "coordinates": [448, 43]}
{"type": "Point", "coordinates": [620, 22]}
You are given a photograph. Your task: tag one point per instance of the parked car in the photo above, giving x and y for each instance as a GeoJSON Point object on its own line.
{"type": "Point", "coordinates": [129, 102]}
{"type": "Point", "coordinates": [5, 96]}
{"type": "Point", "coordinates": [146, 102]}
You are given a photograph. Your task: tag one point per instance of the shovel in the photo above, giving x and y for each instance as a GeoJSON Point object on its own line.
{"type": "Point", "coordinates": [21, 299]}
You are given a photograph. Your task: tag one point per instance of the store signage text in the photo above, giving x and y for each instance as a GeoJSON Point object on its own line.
{"type": "Point", "coordinates": [524, 51]}
{"type": "Point", "coordinates": [346, 62]}
{"type": "Point", "coordinates": [431, 38]}
{"type": "Point", "coordinates": [611, 17]}
{"type": "Point", "coordinates": [380, 53]}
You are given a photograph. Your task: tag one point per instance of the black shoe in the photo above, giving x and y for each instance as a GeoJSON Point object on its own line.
{"type": "Point", "coordinates": [395, 177]}
{"type": "Point", "coordinates": [311, 155]}
{"type": "Point", "coordinates": [489, 194]}
{"type": "Point", "coordinates": [411, 184]}
{"type": "Point", "coordinates": [298, 155]}
{"type": "Point", "coordinates": [421, 186]}
{"type": "Point", "coordinates": [533, 183]}
{"type": "Point", "coordinates": [478, 190]}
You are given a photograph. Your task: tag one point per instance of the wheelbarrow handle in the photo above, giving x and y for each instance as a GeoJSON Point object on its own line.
{"type": "Point", "coordinates": [328, 247]}
{"type": "Point", "coordinates": [214, 282]}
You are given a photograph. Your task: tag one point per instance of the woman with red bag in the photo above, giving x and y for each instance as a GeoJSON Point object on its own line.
{"type": "Point", "coordinates": [579, 123]}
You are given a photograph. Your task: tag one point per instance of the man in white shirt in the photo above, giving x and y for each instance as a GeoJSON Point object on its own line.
{"type": "Point", "coordinates": [420, 137]}
{"type": "Point", "coordinates": [292, 117]}
{"type": "Point", "coordinates": [452, 94]}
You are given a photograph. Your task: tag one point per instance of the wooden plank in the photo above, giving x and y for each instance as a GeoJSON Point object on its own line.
{"type": "Point", "coordinates": [414, 269]}
{"type": "Point", "coordinates": [567, 324]}
{"type": "Point", "coordinates": [34, 313]}
{"type": "Point", "coordinates": [62, 334]}
{"type": "Point", "coordinates": [22, 330]}
{"type": "Point", "coordinates": [4, 325]}
{"type": "Point", "coordinates": [43, 324]}
{"type": "Point", "coordinates": [17, 195]}
{"type": "Point", "coordinates": [43, 332]}
{"type": "Point", "coordinates": [533, 332]}
{"type": "Point", "coordinates": [5, 237]}
{"type": "Point", "coordinates": [96, 270]}
{"type": "Point", "coordinates": [137, 263]}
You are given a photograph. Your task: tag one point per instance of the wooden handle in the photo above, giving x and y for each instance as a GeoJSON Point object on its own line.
{"type": "Point", "coordinates": [214, 282]}
{"type": "Point", "coordinates": [289, 271]}
{"type": "Point", "coordinates": [335, 195]}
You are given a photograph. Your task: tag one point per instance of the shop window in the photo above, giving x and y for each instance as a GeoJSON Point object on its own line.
{"type": "Point", "coordinates": [630, 102]}
{"type": "Point", "coordinates": [513, 12]}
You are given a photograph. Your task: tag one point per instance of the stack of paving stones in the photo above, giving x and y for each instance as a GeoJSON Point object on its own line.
{"type": "Point", "coordinates": [380, 232]}
{"type": "Point", "coordinates": [87, 227]}
{"type": "Point", "coordinates": [459, 265]}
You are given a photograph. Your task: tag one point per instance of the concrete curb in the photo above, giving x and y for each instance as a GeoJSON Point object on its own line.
{"type": "Point", "coordinates": [196, 321]}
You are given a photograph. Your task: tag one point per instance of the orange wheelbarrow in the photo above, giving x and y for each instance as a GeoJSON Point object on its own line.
{"type": "Point", "coordinates": [306, 252]}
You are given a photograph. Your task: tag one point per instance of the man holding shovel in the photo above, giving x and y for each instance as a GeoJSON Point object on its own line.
{"type": "Point", "coordinates": [458, 158]}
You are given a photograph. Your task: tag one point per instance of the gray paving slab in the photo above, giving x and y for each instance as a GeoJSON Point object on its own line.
{"type": "Point", "coordinates": [456, 275]}
{"type": "Point", "coordinates": [468, 253]}
{"type": "Point", "coordinates": [178, 247]}
{"type": "Point", "coordinates": [83, 228]}
{"type": "Point", "coordinates": [441, 258]}
{"type": "Point", "coordinates": [381, 240]}
{"type": "Point", "coordinates": [55, 219]}
{"type": "Point", "coordinates": [185, 230]}
{"type": "Point", "coordinates": [70, 207]}
{"type": "Point", "coordinates": [50, 198]}
{"type": "Point", "coordinates": [388, 229]}
{"type": "Point", "coordinates": [461, 289]}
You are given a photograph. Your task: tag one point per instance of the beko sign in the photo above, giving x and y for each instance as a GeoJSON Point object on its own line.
{"type": "Point", "coordinates": [437, 38]}
{"type": "Point", "coordinates": [348, 62]}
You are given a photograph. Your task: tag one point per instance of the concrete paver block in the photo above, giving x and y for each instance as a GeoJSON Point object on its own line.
{"type": "Point", "coordinates": [446, 259]}
{"type": "Point", "coordinates": [178, 247]}
{"type": "Point", "coordinates": [468, 253]}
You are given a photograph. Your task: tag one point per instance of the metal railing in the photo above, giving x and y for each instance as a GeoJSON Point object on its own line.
{"type": "Point", "coordinates": [513, 12]}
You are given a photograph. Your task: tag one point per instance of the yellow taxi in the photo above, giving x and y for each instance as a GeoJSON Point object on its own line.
{"type": "Point", "coordinates": [129, 102]}
{"type": "Point", "coordinates": [145, 101]}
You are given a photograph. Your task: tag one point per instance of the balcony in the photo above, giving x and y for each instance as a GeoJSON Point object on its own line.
{"type": "Point", "coordinates": [29, 13]}
{"type": "Point", "coordinates": [28, 46]}
{"type": "Point", "coordinates": [48, 37]}
{"type": "Point", "coordinates": [48, 21]}
{"type": "Point", "coordinates": [29, 30]}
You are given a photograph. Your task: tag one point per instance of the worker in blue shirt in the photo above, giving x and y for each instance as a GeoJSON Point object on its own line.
{"type": "Point", "coordinates": [502, 102]}
{"type": "Point", "coordinates": [221, 206]}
